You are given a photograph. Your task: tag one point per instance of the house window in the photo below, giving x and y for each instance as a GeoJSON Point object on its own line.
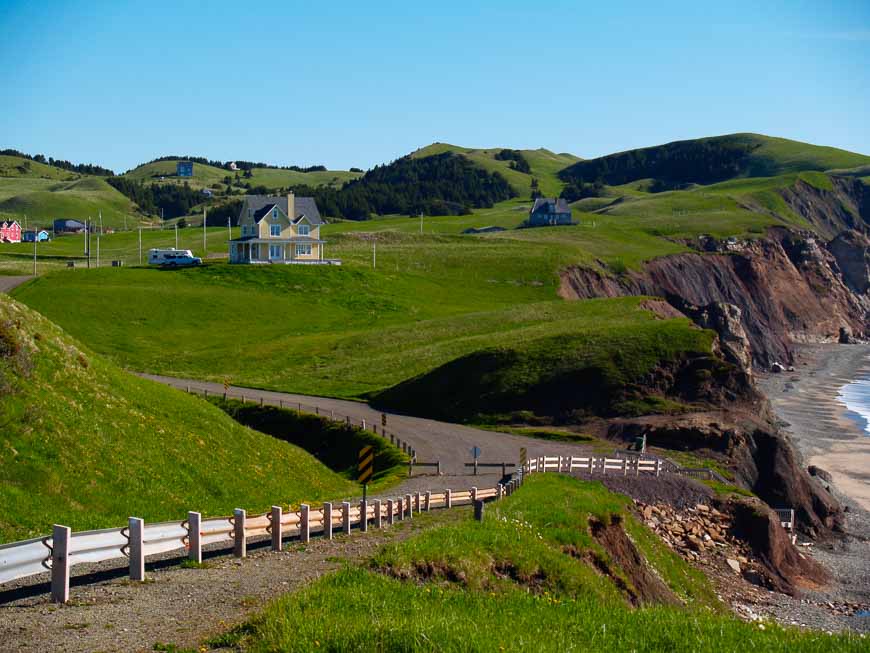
{"type": "Point", "coordinates": [304, 229]}
{"type": "Point", "coordinates": [275, 230]}
{"type": "Point", "coordinates": [250, 213]}
{"type": "Point", "coordinates": [275, 251]}
{"type": "Point", "coordinates": [275, 213]}
{"type": "Point", "coordinates": [303, 250]}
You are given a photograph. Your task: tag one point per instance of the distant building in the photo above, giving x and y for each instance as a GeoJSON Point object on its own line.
{"type": "Point", "coordinates": [184, 169]}
{"type": "Point", "coordinates": [279, 230]}
{"type": "Point", "coordinates": [39, 236]}
{"type": "Point", "coordinates": [549, 211]}
{"type": "Point", "coordinates": [207, 192]}
{"type": "Point", "coordinates": [10, 232]}
{"type": "Point", "coordinates": [69, 226]}
{"type": "Point", "coordinates": [232, 165]}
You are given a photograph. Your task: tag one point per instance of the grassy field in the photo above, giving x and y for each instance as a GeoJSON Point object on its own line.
{"type": "Point", "coordinates": [16, 166]}
{"type": "Point", "coordinates": [205, 176]}
{"type": "Point", "coordinates": [519, 581]}
{"type": "Point", "coordinates": [85, 444]}
{"type": "Point", "coordinates": [339, 331]}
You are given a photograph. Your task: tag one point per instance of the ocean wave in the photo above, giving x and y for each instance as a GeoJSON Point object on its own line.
{"type": "Point", "coordinates": [856, 397]}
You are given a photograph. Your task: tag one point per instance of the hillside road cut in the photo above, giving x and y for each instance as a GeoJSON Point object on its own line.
{"type": "Point", "coordinates": [433, 441]}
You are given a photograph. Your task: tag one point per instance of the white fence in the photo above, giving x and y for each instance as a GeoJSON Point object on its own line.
{"type": "Point", "coordinates": [593, 464]}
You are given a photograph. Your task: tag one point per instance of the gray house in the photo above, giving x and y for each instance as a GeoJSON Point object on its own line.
{"type": "Point", "coordinates": [548, 211]}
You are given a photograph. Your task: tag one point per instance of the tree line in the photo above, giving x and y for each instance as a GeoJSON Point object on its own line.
{"type": "Point", "coordinates": [518, 162]}
{"type": "Point", "coordinates": [174, 200]}
{"type": "Point", "coordinates": [81, 168]}
{"type": "Point", "coordinates": [443, 184]}
{"type": "Point", "coordinates": [699, 162]}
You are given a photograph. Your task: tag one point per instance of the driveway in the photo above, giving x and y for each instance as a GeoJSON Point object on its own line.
{"type": "Point", "coordinates": [7, 284]}
{"type": "Point", "coordinates": [433, 440]}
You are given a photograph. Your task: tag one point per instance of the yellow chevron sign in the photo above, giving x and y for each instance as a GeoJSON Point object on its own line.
{"type": "Point", "coordinates": [366, 464]}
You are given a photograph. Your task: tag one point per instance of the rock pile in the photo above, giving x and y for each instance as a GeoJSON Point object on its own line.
{"type": "Point", "coordinates": [696, 531]}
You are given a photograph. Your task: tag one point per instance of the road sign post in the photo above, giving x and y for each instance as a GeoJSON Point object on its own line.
{"type": "Point", "coordinates": [475, 454]}
{"type": "Point", "coordinates": [366, 467]}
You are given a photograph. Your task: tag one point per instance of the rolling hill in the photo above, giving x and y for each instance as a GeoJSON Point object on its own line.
{"type": "Point", "coordinates": [711, 160]}
{"type": "Point", "coordinates": [544, 164]}
{"type": "Point", "coordinates": [86, 444]}
{"type": "Point", "coordinates": [68, 195]}
{"type": "Point", "coordinates": [206, 176]}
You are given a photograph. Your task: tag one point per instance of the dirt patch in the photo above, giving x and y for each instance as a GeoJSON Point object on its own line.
{"type": "Point", "coordinates": [676, 491]}
{"type": "Point", "coordinates": [661, 309]}
{"type": "Point", "coordinates": [427, 571]}
{"type": "Point", "coordinates": [643, 587]}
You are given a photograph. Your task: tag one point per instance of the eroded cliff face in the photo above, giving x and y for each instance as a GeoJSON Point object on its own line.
{"type": "Point", "coordinates": [786, 288]}
{"type": "Point", "coordinates": [845, 206]}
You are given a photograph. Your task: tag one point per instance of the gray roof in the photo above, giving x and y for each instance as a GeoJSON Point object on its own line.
{"type": "Point", "coordinates": [263, 203]}
{"type": "Point", "coordinates": [550, 205]}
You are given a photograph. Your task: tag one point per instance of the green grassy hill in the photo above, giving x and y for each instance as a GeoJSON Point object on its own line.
{"type": "Point", "coordinates": [718, 158]}
{"type": "Point", "coordinates": [44, 193]}
{"type": "Point", "coordinates": [86, 444]}
{"type": "Point", "coordinates": [16, 166]}
{"type": "Point", "coordinates": [538, 575]}
{"type": "Point", "coordinates": [544, 164]}
{"type": "Point", "coordinates": [205, 176]}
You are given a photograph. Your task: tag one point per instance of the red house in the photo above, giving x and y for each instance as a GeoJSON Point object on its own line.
{"type": "Point", "coordinates": [10, 232]}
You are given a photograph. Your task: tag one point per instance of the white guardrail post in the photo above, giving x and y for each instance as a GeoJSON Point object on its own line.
{"type": "Point", "coordinates": [327, 520]}
{"type": "Point", "coordinates": [304, 523]}
{"type": "Point", "coordinates": [390, 512]}
{"type": "Point", "coordinates": [61, 536]}
{"type": "Point", "coordinates": [378, 519]}
{"type": "Point", "coordinates": [136, 534]}
{"type": "Point", "coordinates": [194, 537]}
{"type": "Point", "coordinates": [345, 516]}
{"type": "Point", "coordinates": [363, 515]}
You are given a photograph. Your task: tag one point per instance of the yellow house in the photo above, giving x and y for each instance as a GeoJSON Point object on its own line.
{"type": "Point", "coordinates": [279, 229]}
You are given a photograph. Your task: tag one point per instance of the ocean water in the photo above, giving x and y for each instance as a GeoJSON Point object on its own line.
{"type": "Point", "coordinates": [856, 397]}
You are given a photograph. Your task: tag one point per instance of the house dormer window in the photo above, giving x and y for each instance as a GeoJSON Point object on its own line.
{"type": "Point", "coordinates": [304, 229]}
{"type": "Point", "coordinates": [275, 230]}
{"type": "Point", "coordinates": [275, 213]}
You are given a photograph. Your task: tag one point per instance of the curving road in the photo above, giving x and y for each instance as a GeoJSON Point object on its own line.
{"type": "Point", "coordinates": [433, 440]}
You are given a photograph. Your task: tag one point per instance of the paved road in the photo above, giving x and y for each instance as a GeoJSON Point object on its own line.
{"type": "Point", "coordinates": [433, 440]}
{"type": "Point", "coordinates": [8, 283]}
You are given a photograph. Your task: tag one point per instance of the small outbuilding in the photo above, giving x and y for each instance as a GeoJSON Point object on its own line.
{"type": "Point", "coordinates": [549, 211]}
{"type": "Point", "coordinates": [38, 236]}
{"type": "Point", "coordinates": [69, 226]}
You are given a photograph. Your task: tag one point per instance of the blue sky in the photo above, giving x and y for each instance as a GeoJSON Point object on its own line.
{"type": "Point", "coordinates": [355, 84]}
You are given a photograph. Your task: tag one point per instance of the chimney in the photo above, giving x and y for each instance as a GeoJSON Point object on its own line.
{"type": "Point", "coordinates": [291, 206]}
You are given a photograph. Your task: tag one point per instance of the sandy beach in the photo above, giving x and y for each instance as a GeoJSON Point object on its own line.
{"type": "Point", "coordinates": [819, 423]}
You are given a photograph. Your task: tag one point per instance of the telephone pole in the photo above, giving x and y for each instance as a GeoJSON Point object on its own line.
{"type": "Point", "coordinates": [140, 245]}
{"type": "Point", "coordinates": [374, 254]}
{"type": "Point", "coordinates": [35, 238]}
{"type": "Point", "coordinates": [421, 222]}
{"type": "Point", "coordinates": [203, 233]}
{"type": "Point", "coordinates": [176, 235]}
{"type": "Point", "coordinates": [88, 241]}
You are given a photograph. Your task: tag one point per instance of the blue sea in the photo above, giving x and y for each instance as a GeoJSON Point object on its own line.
{"type": "Point", "coordinates": [856, 397]}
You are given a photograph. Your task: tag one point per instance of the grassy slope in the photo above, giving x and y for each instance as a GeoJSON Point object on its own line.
{"type": "Point", "coordinates": [549, 602]}
{"type": "Point", "coordinates": [208, 176]}
{"type": "Point", "coordinates": [773, 156]}
{"type": "Point", "coordinates": [85, 444]}
{"type": "Point", "coordinates": [44, 193]}
{"type": "Point", "coordinates": [544, 165]}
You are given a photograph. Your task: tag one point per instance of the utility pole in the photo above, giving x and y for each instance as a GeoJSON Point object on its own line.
{"type": "Point", "coordinates": [98, 249]}
{"type": "Point", "coordinates": [101, 228]}
{"type": "Point", "coordinates": [421, 222]}
{"type": "Point", "coordinates": [203, 233]}
{"type": "Point", "coordinates": [88, 241]}
{"type": "Point", "coordinates": [25, 222]}
{"type": "Point", "coordinates": [374, 254]}
{"type": "Point", "coordinates": [229, 230]}
{"type": "Point", "coordinates": [176, 235]}
{"type": "Point", "coordinates": [35, 238]}
{"type": "Point", "coordinates": [140, 245]}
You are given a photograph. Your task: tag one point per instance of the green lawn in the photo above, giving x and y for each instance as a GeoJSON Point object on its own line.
{"type": "Point", "coordinates": [87, 445]}
{"type": "Point", "coordinates": [511, 584]}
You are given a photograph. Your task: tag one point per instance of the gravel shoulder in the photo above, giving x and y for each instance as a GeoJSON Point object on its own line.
{"type": "Point", "coordinates": [8, 284]}
{"type": "Point", "coordinates": [182, 606]}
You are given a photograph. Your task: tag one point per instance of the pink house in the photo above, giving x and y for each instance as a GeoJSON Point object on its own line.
{"type": "Point", "coordinates": [10, 232]}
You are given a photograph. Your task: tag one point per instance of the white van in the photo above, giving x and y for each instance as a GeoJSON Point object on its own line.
{"type": "Point", "coordinates": [172, 257]}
